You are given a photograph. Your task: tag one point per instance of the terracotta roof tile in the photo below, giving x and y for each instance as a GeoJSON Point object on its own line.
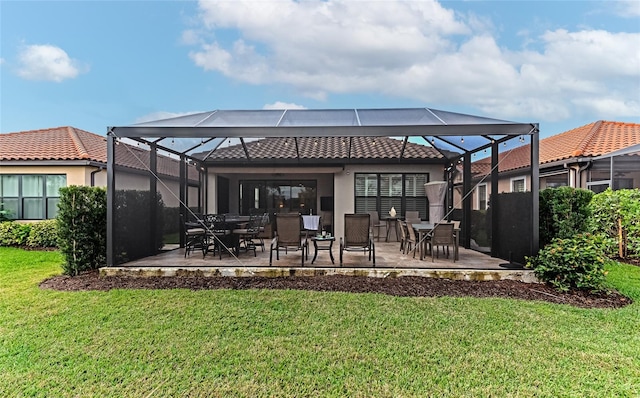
{"type": "Point", "coordinates": [593, 139]}
{"type": "Point", "coordinates": [59, 143]}
{"type": "Point", "coordinates": [327, 148]}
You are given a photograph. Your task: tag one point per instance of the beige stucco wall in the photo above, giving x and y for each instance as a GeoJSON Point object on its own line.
{"type": "Point", "coordinates": [168, 188]}
{"type": "Point", "coordinates": [76, 175]}
{"type": "Point", "coordinates": [330, 180]}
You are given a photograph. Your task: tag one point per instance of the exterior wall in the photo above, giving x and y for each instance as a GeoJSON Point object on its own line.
{"type": "Point", "coordinates": [170, 193]}
{"type": "Point", "coordinates": [76, 175]}
{"type": "Point", "coordinates": [504, 185]}
{"type": "Point", "coordinates": [331, 181]}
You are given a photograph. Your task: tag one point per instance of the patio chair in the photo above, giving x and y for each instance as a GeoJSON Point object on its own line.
{"type": "Point", "coordinates": [403, 234]}
{"type": "Point", "coordinates": [248, 233]}
{"type": "Point", "coordinates": [289, 235]}
{"type": "Point", "coordinates": [358, 236]}
{"type": "Point", "coordinates": [218, 234]}
{"type": "Point", "coordinates": [266, 230]}
{"type": "Point", "coordinates": [195, 239]}
{"type": "Point", "coordinates": [377, 224]}
{"type": "Point", "coordinates": [442, 235]}
{"type": "Point", "coordinates": [411, 239]}
{"type": "Point", "coordinates": [412, 216]}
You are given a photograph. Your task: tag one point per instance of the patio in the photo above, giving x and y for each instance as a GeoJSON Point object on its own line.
{"type": "Point", "coordinates": [390, 262]}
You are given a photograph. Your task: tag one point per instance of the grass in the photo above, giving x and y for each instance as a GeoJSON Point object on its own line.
{"type": "Point", "coordinates": [261, 343]}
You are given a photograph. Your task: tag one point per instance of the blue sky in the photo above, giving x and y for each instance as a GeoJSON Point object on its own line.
{"type": "Point", "coordinates": [93, 64]}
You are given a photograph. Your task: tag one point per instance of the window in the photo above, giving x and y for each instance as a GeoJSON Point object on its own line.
{"type": "Point", "coordinates": [518, 185]}
{"type": "Point", "coordinates": [278, 196]}
{"type": "Point", "coordinates": [31, 196]}
{"type": "Point", "coordinates": [558, 180]}
{"type": "Point", "coordinates": [380, 192]}
{"type": "Point", "coordinates": [482, 197]}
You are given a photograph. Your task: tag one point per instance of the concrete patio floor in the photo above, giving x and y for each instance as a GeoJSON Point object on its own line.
{"type": "Point", "coordinates": [390, 261]}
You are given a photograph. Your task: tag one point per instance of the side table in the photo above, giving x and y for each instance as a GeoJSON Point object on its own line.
{"type": "Point", "coordinates": [323, 243]}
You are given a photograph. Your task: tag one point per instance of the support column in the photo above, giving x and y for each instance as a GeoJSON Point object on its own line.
{"type": "Point", "coordinates": [535, 189]}
{"type": "Point", "coordinates": [111, 192]}
{"type": "Point", "coordinates": [466, 203]}
{"type": "Point", "coordinates": [495, 205]}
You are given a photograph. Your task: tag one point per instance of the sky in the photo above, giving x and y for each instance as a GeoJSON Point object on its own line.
{"type": "Point", "coordinates": [94, 64]}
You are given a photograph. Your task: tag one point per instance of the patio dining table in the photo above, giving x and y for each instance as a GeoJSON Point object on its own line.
{"type": "Point", "coordinates": [423, 229]}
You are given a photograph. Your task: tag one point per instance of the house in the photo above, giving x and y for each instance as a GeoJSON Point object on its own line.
{"type": "Point", "coordinates": [595, 156]}
{"type": "Point", "coordinates": [35, 164]}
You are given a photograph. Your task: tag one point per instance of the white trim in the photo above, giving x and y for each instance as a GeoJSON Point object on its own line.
{"type": "Point", "coordinates": [478, 196]}
{"type": "Point", "coordinates": [524, 180]}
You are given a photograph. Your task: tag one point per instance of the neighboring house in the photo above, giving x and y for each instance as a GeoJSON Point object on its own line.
{"type": "Point", "coordinates": [594, 156]}
{"type": "Point", "coordinates": [35, 164]}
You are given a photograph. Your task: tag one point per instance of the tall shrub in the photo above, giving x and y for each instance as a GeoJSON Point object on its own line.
{"type": "Point", "coordinates": [616, 217]}
{"type": "Point", "coordinates": [82, 228]}
{"type": "Point", "coordinates": [564, 212]}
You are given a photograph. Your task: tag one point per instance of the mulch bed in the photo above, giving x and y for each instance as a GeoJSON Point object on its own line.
{"type": "Point", "coordinates": [404, 286]}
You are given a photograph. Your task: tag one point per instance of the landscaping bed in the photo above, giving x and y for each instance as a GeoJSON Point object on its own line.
{"type": "Point", "coordinates": [404, 286]}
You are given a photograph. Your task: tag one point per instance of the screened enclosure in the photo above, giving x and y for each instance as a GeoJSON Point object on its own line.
{"type": "Point", "coordinates": [163, 173]}
{"type": "Point", "coordinates": [616, 170]}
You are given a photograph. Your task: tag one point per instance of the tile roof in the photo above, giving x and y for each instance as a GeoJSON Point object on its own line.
{"type": "Point", "coordinates": [326, 148]}
{"type": "Point", "coordinates": [70, 143]}
{"type": "Point", "coordinates": [591, 140]}
{"type": "Point", "coordinates": [59, 143]}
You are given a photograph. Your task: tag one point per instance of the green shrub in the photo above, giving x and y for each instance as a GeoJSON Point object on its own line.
{"type": "Point", "coordinates": [43, 234]}
{"type": "Point", "coordinates": [82, 228]}
{"type": "Point", "coordinates": [564, 212]}
{"type": "Point", "coordinates": [13, 233]}
{"type": "Point", "coordinates": [576, 262]}
{"type": "Point", "coordinates": [612, 209]}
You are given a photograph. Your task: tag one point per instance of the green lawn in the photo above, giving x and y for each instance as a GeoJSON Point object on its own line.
{"type": "Point", "coordinates": [261, 343]}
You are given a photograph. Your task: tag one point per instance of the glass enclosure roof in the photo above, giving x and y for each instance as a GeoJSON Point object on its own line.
{"type": "Point", "coordinates": [448, 132]}
{"type": "Point", "coordinates": [323, 122]}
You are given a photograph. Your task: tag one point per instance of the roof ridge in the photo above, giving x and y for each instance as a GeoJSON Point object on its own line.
{"type": "Point", "coordinates": [82, 151]}
{"type": "Point", "coordinates": [582, 145]}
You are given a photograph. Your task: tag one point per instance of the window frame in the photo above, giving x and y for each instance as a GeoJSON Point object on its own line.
{"type": "Point", "coordinates": [44, 197]}
{"type": "Point", "coordinates": [516, 179]}
{"type": "Point", "coordinates": [478, 200]}
{"type": "Point", "coordinates": [370, 202]}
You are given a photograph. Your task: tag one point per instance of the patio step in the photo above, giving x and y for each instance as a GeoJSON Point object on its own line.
{"type": "Point", "coordinates": [526, 276]}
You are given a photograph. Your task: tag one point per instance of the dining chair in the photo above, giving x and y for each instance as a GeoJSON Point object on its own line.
{"type": "Point", "coordinates": [289, 234]}
{"type": "Point", "coordinates": [195, 239]}
{"type": "Point", "coordinates": [442, 235]}
{"type": "Point", "coordinates": [248, 233]}
{"type": "Point", "coordinates": [218, 234]}
{"type": "Point", "coordinates": [358, 236]}
{"type": "Point", "coordinates": [412, 216]}
{"type": "Point", "coordinates": [411, 239]}
{"type": "Point", "coordinates": [377, 223]}
{"type": "Point", "coordinates": [403, 234]}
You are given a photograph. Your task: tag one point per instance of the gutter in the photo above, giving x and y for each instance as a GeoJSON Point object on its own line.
{"type": "Point", "coordinates": [93, 174]}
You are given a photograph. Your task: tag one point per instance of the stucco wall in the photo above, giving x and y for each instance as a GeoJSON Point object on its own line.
{"type": "Point", "coordinates": [76, 175]}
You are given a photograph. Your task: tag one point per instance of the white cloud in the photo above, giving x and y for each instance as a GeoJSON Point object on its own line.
{"type": "Point", "coordinates": [421, 51]}
{"type": "Point", "coordinates": [47, 62]}
{"type": "Point", "coordinates": [283, 105]}
{"type": "Point", "coordinates": [626, 8]}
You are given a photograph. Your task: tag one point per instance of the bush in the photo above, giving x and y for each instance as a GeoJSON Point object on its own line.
{"type": "Point", "coordinates": [564, 212]}
{"type": "Point", "coordinates": [13, 233]}
{"type": "Point", "coordinates": [576, 262]}
{"type": "Point", "coordinates": [43, 234]}
{"type": "Point", "coordinates": [613, 210]}
{"type": "Point", "coordinates": [82, 228]}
